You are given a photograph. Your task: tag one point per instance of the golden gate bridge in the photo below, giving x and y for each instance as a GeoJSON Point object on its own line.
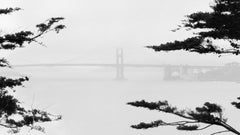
{"type": "Point", "coordinates": [169, 71]}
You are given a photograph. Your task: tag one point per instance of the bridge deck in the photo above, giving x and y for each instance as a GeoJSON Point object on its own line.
{"type": "Point", "coordinates": [111, 65]}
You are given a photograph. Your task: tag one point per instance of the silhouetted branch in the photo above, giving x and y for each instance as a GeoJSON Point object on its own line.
{"type": "Point", "coordinates": [220, 24]}
{"type": "Point", "coordinates": [10, 106]}
{"type": "Point", "coordinates": [195, 44]}
{"type": "Point", "coordinates": [209, 113]}
{"type": "Point", "coordinates": [205, 127]}
{"type": "Point", "coordinates": [181, 125]}
{"type": "Point", "coordinates": [219, 132]}
{"type": "Point", "coordinates": [12, 41]}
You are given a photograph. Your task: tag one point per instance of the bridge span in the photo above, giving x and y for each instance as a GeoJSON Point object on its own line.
{"type": "Point", "coordinates": [170, 71]}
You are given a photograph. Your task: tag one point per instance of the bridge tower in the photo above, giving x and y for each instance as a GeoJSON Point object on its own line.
{"type": "Point", "coordinates": [119, 64]}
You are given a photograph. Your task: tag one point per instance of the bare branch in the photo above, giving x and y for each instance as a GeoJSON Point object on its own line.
{"type": "Point", "coordinates": [219, 132]}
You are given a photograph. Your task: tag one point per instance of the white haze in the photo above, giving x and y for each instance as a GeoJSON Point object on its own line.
{"type": "Point", "coordinates": [89, 99]}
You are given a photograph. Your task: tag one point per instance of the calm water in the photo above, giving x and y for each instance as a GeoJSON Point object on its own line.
{"type": "Point", "coordinates": [93, 103]}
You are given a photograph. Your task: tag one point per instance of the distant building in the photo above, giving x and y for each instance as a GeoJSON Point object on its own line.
{"type": "Point", "coordinates": [229, 72]}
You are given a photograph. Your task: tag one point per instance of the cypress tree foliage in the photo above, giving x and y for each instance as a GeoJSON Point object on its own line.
{"type": "Point", "coordinates": [13, 115]}
{"type": "Point", "coordinates": [222, 23]}
{"type": "Point", "coordinates": [210, 114]}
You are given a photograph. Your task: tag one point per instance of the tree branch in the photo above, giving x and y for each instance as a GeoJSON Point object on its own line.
{"type": "Point", "coordinates": [219, 132]}
{"type": "Point", "coordinates": [210, 114]}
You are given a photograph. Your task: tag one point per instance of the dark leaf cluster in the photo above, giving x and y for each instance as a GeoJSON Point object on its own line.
{"type": "Point", "coordinates": [143, 125]}
{"type": "Point", "coordinates": [9, 10]}
{"type": "Point", "coordinates": [188, 128]}
{"type": "Point", "coordinates": [4, 63]}
{"type": "Point", "coordinates": [160, 106]}
{"type": "Point", "coordinates": [44, 27]}
{"type": "Point", "coordinates": [8, 104]}
{"type": "Point", "coordinates": [11, 83]}
{"type": "Point", "coordinates": [11, 41]}
{"type": "Point", "coordinates": [236, 104]}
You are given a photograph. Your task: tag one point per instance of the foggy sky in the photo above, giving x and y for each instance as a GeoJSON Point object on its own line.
{"type": "Point", "coordinates": [96, 28]}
